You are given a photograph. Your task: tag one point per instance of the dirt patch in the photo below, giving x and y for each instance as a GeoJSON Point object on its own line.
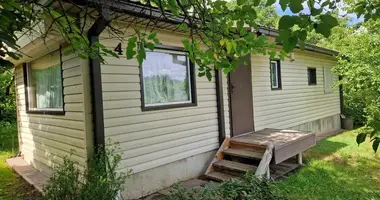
{"type": "Point", "coordinates": [21, 189]}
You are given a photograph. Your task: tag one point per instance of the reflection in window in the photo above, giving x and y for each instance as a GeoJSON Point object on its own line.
{"type": "Point", "coordinates": [44, 83]}
{"type": "Point", "coordinates": [166, 79]}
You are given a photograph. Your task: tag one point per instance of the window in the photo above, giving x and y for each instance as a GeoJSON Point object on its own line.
{"type": "Point", "coordinates": [327, 76]}
{"type": "Point", "coordinates": [275, 74]}
{"type": "Point", "coordinates": [167, 80]}
{"type": "Point", "coordinates": [312, 76]}
{"type": "Point", "coordinates": [43, 89]}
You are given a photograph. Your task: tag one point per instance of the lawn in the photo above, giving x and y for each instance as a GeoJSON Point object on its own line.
{"type": "Point", "coordinates": [336, 169]}
{"type": "Point", "coordinates": [12, 187]}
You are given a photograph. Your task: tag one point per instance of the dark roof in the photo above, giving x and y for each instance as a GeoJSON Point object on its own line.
{"type": "Point", "coordinates": [309, 47]}
{"type": "Point", "coordinates": [170, 21]}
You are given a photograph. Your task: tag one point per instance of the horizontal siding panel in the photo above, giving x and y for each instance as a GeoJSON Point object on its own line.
{"type": "Point", "coordinates": [76, 89]}
{"type": "Point", "coordinates": [167, 152]}
{"type": "Point", "coordinates": [118, 70]}
{"type": "Point", "coordinates": [157, 116]}
{"type": "Point", "coordinates": [48, 142]}
{"type": "Point", "coordinates": [75, 71]}
{"type": "Point", "coordinates": [138, 135]}
{"type": "Point", "coordinates": [53, 129]}
{"type": "Point", "coordinates": [112, 113]}
{"type": "Point", "coordinates": [169, 159]}
{"type": "Point", "coordinates": [78, 125]}
{"type": "Point", "coordinates": [297, 102]}
{"type": "Point", "coordinates": [169, 144]}
{"type": "Point", "coordinates": [77, 116]}
{"type": "Point", "coordinates": [71, 63]}
{"type": "Point", "coordinates": [75, 80]}
{"type": "Point", "coordinates": [145, 126]}
{"type": "Point", "coordinates": [107, 78]}
{"type": "Point", "coordinates": [146, 142]}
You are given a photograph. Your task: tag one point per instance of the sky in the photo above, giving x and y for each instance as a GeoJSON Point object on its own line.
{"type": "Point", "coordinates": [354, 19]}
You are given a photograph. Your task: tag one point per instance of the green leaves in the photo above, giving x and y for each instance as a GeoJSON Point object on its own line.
{"type": "Point", "coordinates": [270, 2]}
{"type": "Point", "coordinates": [287, 22]}
{"type": "Point", "coordinates": [360, 138]}
{"type": "Point", "coordinates": [295, 6]}
{"type": "Point", "coordinates": [323, 29]}
{"type": "Point", "coordinates": [131, 47]}
{"type": "Point", "coordinates": [375, 144]}
{"type": "Point", "coordinates": [329, 20]}
{"type": "Point", "coordinates": [240, 2]}
{"type": "Point", "coordinates": [284, 4]}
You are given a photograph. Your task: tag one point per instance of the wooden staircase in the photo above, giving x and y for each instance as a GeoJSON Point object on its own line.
{"type": "Point", "coordinates": [235, 158]}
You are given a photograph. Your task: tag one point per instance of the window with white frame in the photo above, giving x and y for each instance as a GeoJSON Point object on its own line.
{"type": "Point", "coordinates": [275, 74]}
{"type": "Point", "coordinates": [43, 85]}
{"type": "Point", "coordinates": [328, 79]}
{"type": "Point", "coordinates": [167, 80]}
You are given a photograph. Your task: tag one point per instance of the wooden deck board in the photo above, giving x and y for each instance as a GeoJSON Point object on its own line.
{"type": "Point", "coordinates": [287, 143]}
{"type": "Point", "coordinates": [234, 166]}
{"type": "Point", "coordinates": [243, 153]}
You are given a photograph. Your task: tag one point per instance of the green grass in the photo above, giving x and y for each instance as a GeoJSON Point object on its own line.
{"type": "Point", "coordinates": [335, 169]}
{"type": "Point", "coordinates": [12, 187]}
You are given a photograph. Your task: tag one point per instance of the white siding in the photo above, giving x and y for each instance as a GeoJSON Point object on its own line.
{"type": "Point", "coordinates": [297, 102]}
{"type": "Point", "coordinates": [46, 139]}
{"type": "Point", "coordinates": [150, 139]}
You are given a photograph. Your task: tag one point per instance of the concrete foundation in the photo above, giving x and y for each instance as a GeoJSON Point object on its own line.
{"type": "Point", "coordinates": [321, 126]}
{"type": "Point", "coordinates": [147, 182]}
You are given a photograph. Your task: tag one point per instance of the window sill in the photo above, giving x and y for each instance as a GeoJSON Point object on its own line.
{"type": "Point", "coordinates": [46, 112]}
{"type": "Point", "coordinates": [170, 106]}
{"type": "Point", "coordinates": [276, 88]}
{"type": "Point", "coordinates": [312, 84]}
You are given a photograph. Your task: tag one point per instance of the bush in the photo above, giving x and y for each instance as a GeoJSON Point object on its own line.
{"type": "Point", "coordinates": [7, 97]}
{"type": "Point", "coordinates": [100, 180]}
{"type": "Point", "coordinates": [247, 188]}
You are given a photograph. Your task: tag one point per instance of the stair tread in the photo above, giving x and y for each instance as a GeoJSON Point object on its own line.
{"type": "Point", "coordinates": [219, 176]}
{"type": "Point", "coordinates": [244, 153]}
{"type": "Point", "coordinates": [235, 166]}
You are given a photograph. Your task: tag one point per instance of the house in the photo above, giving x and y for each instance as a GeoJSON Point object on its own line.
{"type": "Point", "coordinates": [66, 104]}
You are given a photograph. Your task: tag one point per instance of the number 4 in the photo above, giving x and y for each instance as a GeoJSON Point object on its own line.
{"type": "Point", "coordinates": [118, 49]}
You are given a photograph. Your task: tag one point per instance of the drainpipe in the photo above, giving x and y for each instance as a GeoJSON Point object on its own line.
{"type": "Point", "coordinates": [96, 81]}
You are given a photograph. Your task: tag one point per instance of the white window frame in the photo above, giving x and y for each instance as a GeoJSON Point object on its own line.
{"type": "Point", "coordinates": [277, 78]}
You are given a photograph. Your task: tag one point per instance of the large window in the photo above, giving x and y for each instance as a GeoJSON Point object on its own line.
{"type": "Point", "coordinates": [275, 74]}
{"type": "Point", "coordinates": [167, 80]}
{"type": "Point", "coordinates": [312, 76]}
{"type": "Point", "coordinates": [43, 79]}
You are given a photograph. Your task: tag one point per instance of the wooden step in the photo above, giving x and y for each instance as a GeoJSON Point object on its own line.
{"type": "Point", "coordinates": [243, 153]}
{"type": "Point", "coordinates": [219, 176]}
{"type": "Point", "coordinates": [234, 166]}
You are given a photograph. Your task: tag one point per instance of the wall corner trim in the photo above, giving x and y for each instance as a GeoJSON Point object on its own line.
{"type": "Point", "coordinates": [96, 82]}
{"type": "Point", "coordinates": [220, 105]}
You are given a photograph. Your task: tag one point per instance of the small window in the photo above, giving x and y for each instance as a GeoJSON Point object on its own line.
{"type": "Point", "coordinates": [327, 76]}
{"type": "Point", "coordinates": [312, 76]}
{"type": "Point", "coordinates": [167, 80]}
{"type": "Point", "coordinates": [275, 74]}
{"type": "Point", "coordinates": [43, 89]}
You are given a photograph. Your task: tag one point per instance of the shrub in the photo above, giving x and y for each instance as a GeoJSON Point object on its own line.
{"type": "Point", "coordinates": [7, 97]}
{"type": "Point", "coordinates": [100, 180]}
{"type": "Point", "coordinates": [247, 188]}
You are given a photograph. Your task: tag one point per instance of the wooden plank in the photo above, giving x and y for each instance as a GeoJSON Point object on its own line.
{"type": "Point", "coordinates": [219, 154]}
{"type": "Point", "coordinates": [263, 168]}
{"type": "Point", "coordinates": [234, 166]}
{"type": "Point", "coordinates": [219, 176]}
{"type": "Point", "coordinates": [243, 153]}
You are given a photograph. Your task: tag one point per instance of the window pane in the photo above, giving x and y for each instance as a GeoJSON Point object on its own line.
{"type": "Point", "coordinates": [46, 87]}
{"type": "Point", "coordinates": [166, 78]}
{"type": "Point", "coordinates": [274, 75]}
{"type": "Point", "coordinates": [312, 75]}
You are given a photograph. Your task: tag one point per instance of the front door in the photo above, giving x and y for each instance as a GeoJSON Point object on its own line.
{"type": "Point", "coordinates": [241, 100]}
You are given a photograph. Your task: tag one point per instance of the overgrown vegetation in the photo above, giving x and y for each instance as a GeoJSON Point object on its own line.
{"type": "Point", "coordinates": [359, 67]}
{"type": "Point", "coordinates": [335, 169]}
{"type": "Point", "coordinates": [7, 97]}
{"type": "Point", "coordinates": [100, 180]}
{"type": "Point", "coordinates": [12, 187]}
{"type": "Point", "coordinates": [247, 188]}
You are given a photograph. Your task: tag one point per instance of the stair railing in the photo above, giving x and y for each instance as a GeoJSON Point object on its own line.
{"type": "Point", "coordinates": [263, 168]}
